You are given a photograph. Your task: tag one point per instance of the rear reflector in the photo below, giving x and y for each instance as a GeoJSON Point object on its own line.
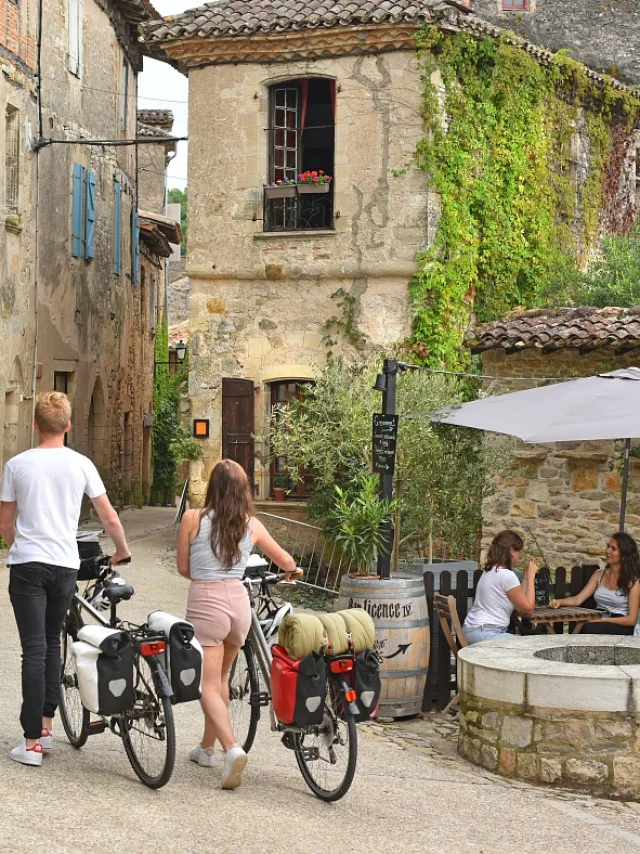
{"type": "Point", "coordinates": [350, 696]}
{"type": "Point", "coordinates": [152, 648]}
{"type": "Point", "coordinates": [341, 665]}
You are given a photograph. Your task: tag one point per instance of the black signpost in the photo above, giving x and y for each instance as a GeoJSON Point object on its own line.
{"type": "Point", "coordinates": [385, 432]}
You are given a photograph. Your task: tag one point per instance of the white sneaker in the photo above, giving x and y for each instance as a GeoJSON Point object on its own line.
{"type": "Point", "coordinates": [235, 760]}
{"type": "Point", "coordinates": [27, 755]}
{"type": "Point", "coordinates": [46, 739]}
{"type": "Point", "coordinates": [203, 756]}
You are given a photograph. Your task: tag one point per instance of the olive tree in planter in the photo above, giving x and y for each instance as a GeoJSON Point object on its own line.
{"type": "Point", "coordinates": [357, 524]}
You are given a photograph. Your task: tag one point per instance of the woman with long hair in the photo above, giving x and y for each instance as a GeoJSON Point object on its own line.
{"type": "Point", "coordinates": [213, 549]}
{"type": "Point", "coordinates": [616, 589]}
{"type": "Point", "coordinates": [500, 591]}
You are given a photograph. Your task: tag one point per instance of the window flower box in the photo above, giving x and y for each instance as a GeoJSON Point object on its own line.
{"type": "Point", "coordinates": [313, 182]}
{"type": "Point", "coordinates": [280, 190]}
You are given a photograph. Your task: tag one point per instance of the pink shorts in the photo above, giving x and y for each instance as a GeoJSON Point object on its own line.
{"type": "Point", "coordinates": [219, 611]}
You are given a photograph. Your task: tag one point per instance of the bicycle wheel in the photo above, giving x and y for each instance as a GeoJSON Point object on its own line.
{"type": "Point", "coordinates": [327, 753]}
{"type": "Point", "coordinates": [244, 683]}
{"type": "Point", "coordinates": [147, 730]}
{"type": "Point", "coordinates": [74, 716]}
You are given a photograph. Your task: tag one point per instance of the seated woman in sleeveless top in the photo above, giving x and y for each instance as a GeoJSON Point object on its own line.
{"type": "Point", "coordinates": [214, 545]}
{"type": "Point", "coordinates": [616, 589]}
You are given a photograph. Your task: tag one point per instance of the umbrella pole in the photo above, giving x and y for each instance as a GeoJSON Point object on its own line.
{"type": "Point", "coordinates": [625, 483]}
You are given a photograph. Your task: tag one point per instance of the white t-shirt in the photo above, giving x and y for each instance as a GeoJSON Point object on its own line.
{"type": "Point", "coordinates": [492, 606]}
{"type": "Point", "coordinates": [48, 485]}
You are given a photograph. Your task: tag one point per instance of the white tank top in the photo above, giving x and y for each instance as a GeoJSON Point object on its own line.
{"type": "Point", "coordinates": [613, 601]}
{"type": "Point", "coordinates": [205, 566]}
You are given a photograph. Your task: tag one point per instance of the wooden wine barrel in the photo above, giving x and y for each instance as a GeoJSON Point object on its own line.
{"type": "Point", "coordinates": [398, 607]}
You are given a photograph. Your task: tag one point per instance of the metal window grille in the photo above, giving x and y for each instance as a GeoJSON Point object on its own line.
{"type": "Point", "coordinates": [514, 5]}
{"type": "Point", "coordinates": [11, 158]}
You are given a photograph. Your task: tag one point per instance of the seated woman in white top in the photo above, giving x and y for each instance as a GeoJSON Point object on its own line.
{"type": "Point", "coordinates": [616, 589]}
{"type": "Point", "coordinates": [499, 591]}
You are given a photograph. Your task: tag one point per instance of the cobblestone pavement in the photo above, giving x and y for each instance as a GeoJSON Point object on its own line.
{"type": "Point", "coordinates": [412, 793]}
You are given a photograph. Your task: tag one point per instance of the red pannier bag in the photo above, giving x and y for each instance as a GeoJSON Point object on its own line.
{"type": "Point", "coordinates": [298, 688]}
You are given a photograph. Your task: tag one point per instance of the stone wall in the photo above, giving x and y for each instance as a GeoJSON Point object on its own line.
{"type": "Point", "coordinates": [605, 36]}
{"type": "Point", "coordinates": [17, 230]}
{"type": "Point", "coordinates": [259, 301]}
{"type": "Point", "coordinates": [554, 710]}
{"type": "Point", "coordinates": [567, 493]}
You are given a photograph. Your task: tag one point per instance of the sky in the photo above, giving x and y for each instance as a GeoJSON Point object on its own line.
{"type": "Point", "coordinates": [161, 87]}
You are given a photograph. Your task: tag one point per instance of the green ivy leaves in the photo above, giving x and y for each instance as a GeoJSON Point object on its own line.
{"type": "Point", "coordinates": [500, 151]}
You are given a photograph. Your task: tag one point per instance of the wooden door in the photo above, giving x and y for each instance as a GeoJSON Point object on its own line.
{"type": "Point", "coordinates": [237, 423]}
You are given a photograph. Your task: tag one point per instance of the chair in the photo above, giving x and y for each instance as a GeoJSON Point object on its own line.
{"type": "Point", "coordinates": [448, 616]}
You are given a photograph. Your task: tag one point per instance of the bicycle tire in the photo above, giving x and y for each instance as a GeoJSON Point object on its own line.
{"type": "Point", "coordinates": [244, 688]}
{"type": "Point", "coordinates": [150, 720]}
{"type": "Point", "coordinates": [336, 721]}
{"type": "Point", "coordinates": [75, 718]}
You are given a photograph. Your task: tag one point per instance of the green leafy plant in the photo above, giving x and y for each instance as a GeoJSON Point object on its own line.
{"type": "Point", "coordinates": [442, 473]}
{"type": "Point", "coordinates": [172, 443]}
{"type": "Point", "coordinates": [282, 481]}
{"type": "Point", "coordinates": [178, 196]}
{"type": "Point", "coordinates": [358, 519]}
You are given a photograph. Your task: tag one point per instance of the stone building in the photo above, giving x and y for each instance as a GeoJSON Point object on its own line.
{"type": "Point", "coordinates": [567, 493]}
{"type": "Point", "coordinates": [605, 36]}
{"type": "Point", "coordinates": [153, 160]}
{"type": "Point", "coordinates": [17, 242]}
{"type": "Point", "coordinates": [275, 90]}
{"type": "Point", "coordinates": [73, 292]}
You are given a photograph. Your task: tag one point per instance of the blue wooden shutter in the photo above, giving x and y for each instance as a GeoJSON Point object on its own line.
{"type": "Point", "coordinates": [135, 248]}
{"type": "Point", "coordinates": [90, 215]}
{"type": "Point", "coordinates": [76, 211]}
{"type": "Point", "coordinates": [117, 229]}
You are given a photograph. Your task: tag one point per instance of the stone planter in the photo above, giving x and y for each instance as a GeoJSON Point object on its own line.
{"type": "Point", "coordinates": [280, 192]}
{"type": "Point", "coordinates": [312, 188]}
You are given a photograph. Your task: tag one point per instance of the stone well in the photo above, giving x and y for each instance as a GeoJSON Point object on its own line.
{"type": "Point", "coordinates": [559, 710]}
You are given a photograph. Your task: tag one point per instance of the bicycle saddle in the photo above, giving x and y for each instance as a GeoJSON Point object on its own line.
{"type": "Point", "coordinates": [117, 592]}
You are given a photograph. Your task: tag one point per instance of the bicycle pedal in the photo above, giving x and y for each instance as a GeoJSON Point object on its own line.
{"type": "Point", "coordinates": [289, 741]}
{"type": "Point", "coordinates": [96, 727]}
{"type": "Point", "coordinates": [260, 698]}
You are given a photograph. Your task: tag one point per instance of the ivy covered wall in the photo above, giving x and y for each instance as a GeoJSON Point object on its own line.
{"type": "Point", "coordinates": [530, 163]}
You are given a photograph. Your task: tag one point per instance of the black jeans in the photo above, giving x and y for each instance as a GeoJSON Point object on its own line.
{"type": "Point", "coordinates": [40, 594]}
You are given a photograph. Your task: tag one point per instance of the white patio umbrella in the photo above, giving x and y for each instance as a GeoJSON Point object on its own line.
{"type": "Point", "coordinates": [606, 406]}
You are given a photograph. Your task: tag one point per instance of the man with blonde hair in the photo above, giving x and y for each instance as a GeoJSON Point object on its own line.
{"type": "Point", "coordinates": [40, 505]}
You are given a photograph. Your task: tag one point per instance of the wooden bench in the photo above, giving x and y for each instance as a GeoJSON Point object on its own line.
{"type": "Point", "coordinates": [450, 623]}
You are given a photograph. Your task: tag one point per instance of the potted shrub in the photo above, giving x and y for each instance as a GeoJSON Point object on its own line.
{"type": "Point", "coordinates": [357, 524]}
{"type": "Point", "coordinates": [280, 487]}
{"type": "Point", "coordinates": [280, 189]}
{"type": "Point", "coordinates": [313, 182]}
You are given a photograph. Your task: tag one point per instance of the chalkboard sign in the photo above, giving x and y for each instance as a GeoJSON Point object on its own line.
{"type": "Point", "coordinates": [385, 432]}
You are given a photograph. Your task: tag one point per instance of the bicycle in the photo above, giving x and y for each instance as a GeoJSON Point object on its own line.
{"type": "Point", "coordinates": [148, 725]}
{"type": "Point", "coordinates": [326, 753]}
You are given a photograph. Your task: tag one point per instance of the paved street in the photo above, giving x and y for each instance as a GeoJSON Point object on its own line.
{"type": "Point", "coordinates": [411, 792]}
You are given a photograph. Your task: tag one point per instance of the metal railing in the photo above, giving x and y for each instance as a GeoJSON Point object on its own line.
{"type": "Point", "coordinates": [319, 557]}
{"type": "Point", "coordinates": [299, 213]}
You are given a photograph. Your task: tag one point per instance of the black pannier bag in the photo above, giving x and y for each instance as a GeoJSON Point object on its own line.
{"type": "Point", "coordinates": [367, 684]}
{"type": "Point", "coordinates": [88, 549]}
{"type": "Point", "coordinates": [104, 666]}
{"type": "Point", "coordinates": [183, 656]}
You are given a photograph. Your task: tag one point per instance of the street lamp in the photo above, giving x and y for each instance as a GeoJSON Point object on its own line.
{"type": "Point", "coordinates": [181, 350]}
